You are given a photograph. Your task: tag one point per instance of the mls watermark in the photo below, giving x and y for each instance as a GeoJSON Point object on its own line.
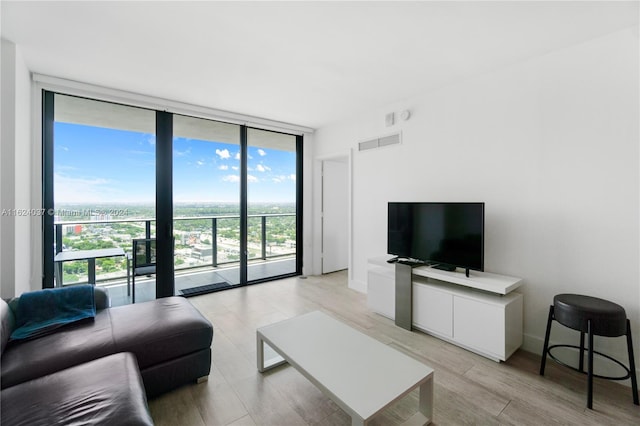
{"type": "Point", "coordinates": [66, 212]}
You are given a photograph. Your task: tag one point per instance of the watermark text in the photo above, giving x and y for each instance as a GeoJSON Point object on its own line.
{"type": "Point", "coordinates": [66, 212]}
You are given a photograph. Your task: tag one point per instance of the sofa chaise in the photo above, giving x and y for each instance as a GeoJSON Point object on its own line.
{"type": "Point", "coordinates": [119, 356]}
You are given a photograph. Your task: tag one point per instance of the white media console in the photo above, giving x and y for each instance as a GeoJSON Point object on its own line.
{"type": "Point", "coordinates": [480, 313]}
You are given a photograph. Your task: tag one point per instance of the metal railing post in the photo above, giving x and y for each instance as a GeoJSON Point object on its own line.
{"type": "Point", "coordinates": [264, 237]}
{"type": "Point", "coordinates": [214, 242]}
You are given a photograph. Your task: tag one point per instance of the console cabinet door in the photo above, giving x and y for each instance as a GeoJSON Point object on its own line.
{"type": "Point", "coordinates": [479, 325]}
{"type": "Point", "coordinates": [381, 292]}
{"type": "Point", "coordinates": [433, 310]}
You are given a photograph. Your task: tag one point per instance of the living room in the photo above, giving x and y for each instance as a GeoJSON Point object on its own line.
{"type": "Point", "coordinates": [531, 108]}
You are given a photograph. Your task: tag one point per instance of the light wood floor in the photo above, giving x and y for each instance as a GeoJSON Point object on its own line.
{"type": "Point", "coordinates": [469, 389]}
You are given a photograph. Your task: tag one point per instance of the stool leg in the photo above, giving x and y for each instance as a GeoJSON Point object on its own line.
{"type": "Point", "coordinates": [590, 368]}
{"type": "Point", "coordinates": [632, 365]}
{"type": "Point", "coordinates": [581, 360]}
{"type": "Point", "coordinates": [545, 349]}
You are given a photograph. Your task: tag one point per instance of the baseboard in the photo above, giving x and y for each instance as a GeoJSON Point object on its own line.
{"type": "Point", "coordinates": [359, 286]}
{"type": "Point", "coordinates": [532, 344]}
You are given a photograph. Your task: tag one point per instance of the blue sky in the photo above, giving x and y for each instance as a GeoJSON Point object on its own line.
{"type": "Point", "coordinates": [95, 164]}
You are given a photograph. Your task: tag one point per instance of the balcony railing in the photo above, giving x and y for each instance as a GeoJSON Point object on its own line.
{"type": "Point", "coordinates": [224, 240]}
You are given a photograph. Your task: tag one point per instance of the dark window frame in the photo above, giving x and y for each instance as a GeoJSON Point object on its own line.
{"type": "Point", "coordinates": [165, 285]}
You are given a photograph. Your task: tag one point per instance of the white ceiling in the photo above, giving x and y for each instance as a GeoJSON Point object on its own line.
{"type": "Point", "coordinates": [306, 63]}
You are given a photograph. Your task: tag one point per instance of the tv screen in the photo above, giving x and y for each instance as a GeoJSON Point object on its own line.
{"type": "Point", "coordinates": [450, 234]}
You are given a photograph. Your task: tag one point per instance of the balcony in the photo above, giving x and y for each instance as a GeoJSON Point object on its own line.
{"type": "Point", "coordinates": [206, 251]}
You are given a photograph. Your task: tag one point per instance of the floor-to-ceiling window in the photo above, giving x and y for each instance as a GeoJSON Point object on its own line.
{"type": "Point", "coordinates": [102, 168]}
{"type": "Point", "coordinates": [228, 197]}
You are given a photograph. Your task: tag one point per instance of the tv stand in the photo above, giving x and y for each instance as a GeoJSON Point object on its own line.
{"type": "Point", "coordinates": [481, 313]}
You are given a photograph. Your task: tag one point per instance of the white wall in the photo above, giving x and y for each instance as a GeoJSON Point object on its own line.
{"type": "Point", "coordinates": [15, 174]}
{"type": "Point", "coordinates": [7, 168]}
{"type": "Point", "coordinates": [550, 145]}
{"type": "Point", "coordinates": [26, 279]}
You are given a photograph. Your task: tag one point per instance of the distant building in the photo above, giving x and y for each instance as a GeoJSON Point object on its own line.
{"type": "Point", "coordinates": [72, 229]}
{"type": "Point", "coordinates": [200, 251]}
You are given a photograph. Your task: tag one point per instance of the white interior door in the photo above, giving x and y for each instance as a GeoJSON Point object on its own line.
{"type": "Point", "coordinates": [335, 215]}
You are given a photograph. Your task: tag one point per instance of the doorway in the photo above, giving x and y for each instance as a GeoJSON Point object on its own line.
{"type": "Point", "coordinates": [335, 214]}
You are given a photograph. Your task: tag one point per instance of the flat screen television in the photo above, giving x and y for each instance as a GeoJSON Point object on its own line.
{"type": "Point", "coordinates": [445, 235]}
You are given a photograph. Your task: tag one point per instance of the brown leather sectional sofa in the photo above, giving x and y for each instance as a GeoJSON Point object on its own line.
{"type": "Point", "coordinates": [98, 371]}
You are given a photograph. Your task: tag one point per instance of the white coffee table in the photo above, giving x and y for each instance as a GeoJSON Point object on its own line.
{"type": "Point", "coordinates": [360, 374]}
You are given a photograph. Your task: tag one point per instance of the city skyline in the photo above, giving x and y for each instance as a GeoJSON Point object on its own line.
{"type": "Point", "coordinates": [104, 165]}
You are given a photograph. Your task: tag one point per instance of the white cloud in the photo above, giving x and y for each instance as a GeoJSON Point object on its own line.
{"type": "Point", "coordinates": [236, 179]}
{"type": "Point", "coordinates": [151, 139]}
{"type": "Point", "coordinates": [283, 178]}
{"type": "Point", "coordinates": [200, 163]}
{"type": "Point", "coordinates": [231, 178]}
{"type": "Point", "coordinates": [263, 168]}
{"type": "Point", "coordinates": [235, 168]}
{"type": "Point", "coordinates": [223, 153]}
{"type": "Point", "coordinates": [237, 157]}
{"type": "Point", "coordinates": [223, 167]}
{"type": "Point", "coordinates": [182, 153]}
{"type": "Point", "coordinates": [261, 152]}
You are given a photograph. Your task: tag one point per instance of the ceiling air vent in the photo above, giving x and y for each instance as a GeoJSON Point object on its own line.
{"type": "Point", "coordinates": [379, 142]}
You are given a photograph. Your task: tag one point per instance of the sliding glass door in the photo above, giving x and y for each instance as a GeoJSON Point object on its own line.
{"type": "Point", "coordinates": [100, 168]}
{"type": "Point", "coordinates": [271, 204]}
{"type": "Point", "coordinates": [206, 209]}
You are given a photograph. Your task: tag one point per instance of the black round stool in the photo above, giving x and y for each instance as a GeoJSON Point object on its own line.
{"type": "Point", "coordinates": [596, 317]}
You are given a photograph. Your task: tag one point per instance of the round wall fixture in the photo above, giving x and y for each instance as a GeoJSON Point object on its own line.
{"type": "Point", "coordinates": [405, 114]}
